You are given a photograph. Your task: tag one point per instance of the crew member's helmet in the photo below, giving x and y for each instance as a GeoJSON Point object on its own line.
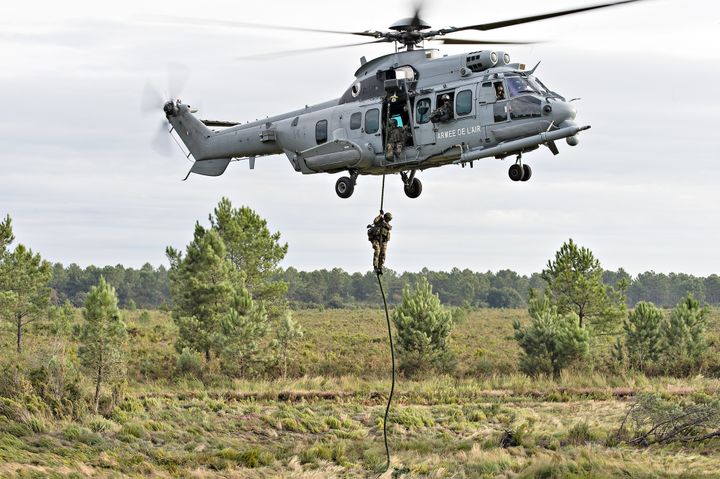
{"type": "Point", "coordinates": [387, 216]}
{"type": "Point", "coordinates": [445, 97]}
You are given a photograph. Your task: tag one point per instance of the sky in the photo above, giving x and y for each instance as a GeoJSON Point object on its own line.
{"type": "Point", "coordinates": [83, 184]}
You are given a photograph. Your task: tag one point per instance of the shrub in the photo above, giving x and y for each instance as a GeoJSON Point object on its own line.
{"type": "Point", "coordinates": [423, 331]}
{"type": "Point", "coordinates": [552, 341]}
{"type": "Point", "coordinates": [685, 341]}
{"type": "Point", "coordinates": [580, 434]}
{"type": "Point", "coordinates": [190, 363]}
{"type": "Point", "coordinates": [643, 329]}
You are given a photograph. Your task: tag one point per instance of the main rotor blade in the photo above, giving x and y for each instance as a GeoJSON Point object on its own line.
{"type": "Point", "coordinates": [416, 22]}
{"type": "Point", "coordinates": [460, 41]}
{"type": "Point", "coordinates": [272, 55]}
{"type": "Point", "coordinates": [233, 24]}
{"type": "Point", "coordinates": [534, 18]}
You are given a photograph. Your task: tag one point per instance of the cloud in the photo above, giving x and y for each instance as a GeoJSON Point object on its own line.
{"type": "Point", "coordinates": [83, 185]}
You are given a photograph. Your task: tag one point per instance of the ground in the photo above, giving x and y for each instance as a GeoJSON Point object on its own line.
{"type": "Point", "coordinates": [327, 422]}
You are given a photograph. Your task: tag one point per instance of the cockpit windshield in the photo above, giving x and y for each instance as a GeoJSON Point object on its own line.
{"type": "Point", "coordinates": [518, 85]}
{"type": "Point", "coordinates": [541, 88]}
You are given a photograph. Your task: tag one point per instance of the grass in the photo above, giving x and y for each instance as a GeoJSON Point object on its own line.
{"type": "Point", "coordinates": [326, 419]}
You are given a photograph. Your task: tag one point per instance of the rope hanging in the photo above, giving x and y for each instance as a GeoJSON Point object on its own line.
{"type": "Point", "coordinates": [392, 387]}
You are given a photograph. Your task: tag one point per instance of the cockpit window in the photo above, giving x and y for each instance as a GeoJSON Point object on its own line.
{"type": "Point", "coordinates": [518, 85]}
{"type": "Point", "coordinates": [525, 107]}
{"type": "Point", "coordinates": [540, 86]}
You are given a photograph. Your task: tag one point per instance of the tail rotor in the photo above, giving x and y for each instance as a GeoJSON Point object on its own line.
{"type": "Point", "coordinates": [153, 101]}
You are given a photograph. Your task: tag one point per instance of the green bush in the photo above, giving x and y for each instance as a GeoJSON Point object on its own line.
{"type": "Point", "coordinates": [580, 434]}
{"type": "Point", "coordinates": [98, 423]}
{"type": "Point", "coordinates": [189, 363]}
{"type": "Point", "coordinates": [552, 341]}
{"type": "Point", "coordinates": [423, 331]}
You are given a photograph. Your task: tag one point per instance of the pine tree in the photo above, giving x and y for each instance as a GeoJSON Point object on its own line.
{"type": "Point", "coordinates": [6, 235]}
{"type": "Point", "coordinates": [575, 284]}
{"type": "Point", "coordinates": [103, 337]}
{"type": "Point", "coordinates": [552, 341]}
{"type": "Point", "coordinates": [252, 249]}
{"type": "Point", "coordinates": [203, 284]}
{"type": "Point", "coordinates": [24, 284]}
{"type": "Point", "coordinates": [214, 312]}
{"type": "Point", "coordinates": [288, 332]}
{"type": "Point", "coordinates": [423, 329]}
{"type": "Point", "coordinates": [243, 327]}
{"type": "Point", "coordinates": [643, 336]}
{"type": "Point", "coordinates": [685, 331]}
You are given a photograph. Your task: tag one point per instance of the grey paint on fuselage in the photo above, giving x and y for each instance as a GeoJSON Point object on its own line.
{"type": "Point", "coordinates": [489, 124]}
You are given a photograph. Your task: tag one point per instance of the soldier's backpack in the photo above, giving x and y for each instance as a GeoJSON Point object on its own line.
{"type": "Point", "coordinates": [373, 232]}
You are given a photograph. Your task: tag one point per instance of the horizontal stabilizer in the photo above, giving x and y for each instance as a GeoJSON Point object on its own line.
{"type": "Point", "coordinates": [214, 167]}
{"type": "Point", "coordinates": [219, 123]}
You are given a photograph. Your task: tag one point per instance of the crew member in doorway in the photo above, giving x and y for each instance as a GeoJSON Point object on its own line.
{"type": "Point", "coordinates": [395, 141]}
{"type": "Point", "coordinates": [444, 112]}
{"type": "Point", "coordinates": [379, 235]}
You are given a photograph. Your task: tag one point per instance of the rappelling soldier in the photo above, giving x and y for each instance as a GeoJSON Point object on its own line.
{"type": "Point", "coordinates": [444, 112]}
{"type": "Point", "coordinates": [379, 235]}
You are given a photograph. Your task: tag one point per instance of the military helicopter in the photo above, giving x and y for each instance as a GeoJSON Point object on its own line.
{"type": "Point", "coordinates": [493, 109]}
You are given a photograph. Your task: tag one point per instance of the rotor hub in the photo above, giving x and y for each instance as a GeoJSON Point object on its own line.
{"type": "Point", "coordinates": [409, 24]}
{"type": "Point", "coordinates": [169, 107]}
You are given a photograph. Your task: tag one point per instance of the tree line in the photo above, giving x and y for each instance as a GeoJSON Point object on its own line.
{"type": "Point", "coordinates": [232, 307]}
{"type": "Point", "coordinates": [149, 288]}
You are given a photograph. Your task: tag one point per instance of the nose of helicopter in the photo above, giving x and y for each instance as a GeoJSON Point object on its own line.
{"type": "Point", "coordinates": [562, 111]}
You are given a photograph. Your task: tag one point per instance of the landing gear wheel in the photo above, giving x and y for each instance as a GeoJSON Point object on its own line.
{"type": "Point", "coordinates": [516, 172]}
{"type": "Point", "coordinates": [413, 189]}
{"type": "Point", "coordinates": [344, 187]}
{"type": "Point", "coordinates": [527, 172]}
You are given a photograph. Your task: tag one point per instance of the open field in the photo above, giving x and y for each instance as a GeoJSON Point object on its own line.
{"type": "Point", "coordinates": [326, 421]}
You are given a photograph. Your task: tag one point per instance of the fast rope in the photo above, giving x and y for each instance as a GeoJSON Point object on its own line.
{"type": "Point", "coordinates": [392, 387]}
{"type": "Point", "coordinates": [392, 350]}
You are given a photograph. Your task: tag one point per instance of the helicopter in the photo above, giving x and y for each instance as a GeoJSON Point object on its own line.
{"type": "Point", "coordinates": [449, 110]}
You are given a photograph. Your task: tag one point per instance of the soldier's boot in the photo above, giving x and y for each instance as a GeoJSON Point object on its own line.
{"type": "Point", "coordinates": [389, 152]}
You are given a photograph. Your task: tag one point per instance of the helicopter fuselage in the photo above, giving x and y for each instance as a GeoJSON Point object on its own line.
{"type": "Point", "coordinates": [498, 109]}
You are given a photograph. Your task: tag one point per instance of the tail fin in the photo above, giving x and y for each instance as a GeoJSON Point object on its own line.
{"type": "Point", "coordinates": [193, 133]}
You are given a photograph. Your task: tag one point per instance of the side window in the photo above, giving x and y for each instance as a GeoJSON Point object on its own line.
{"type": "Point", "coordinates": [355, 120]}
{"type": "Point", "coordinates": [463, 103]}
{"type": "Point", "coordinates": [372, 121]}
{"type": "Point", "coordinates": [321, 132]}
{"type": "Point", "coordinates": [423, 111]}
{"type": "Point", "coordinates": [486, 94]}
{"type": "Point", "coordinates": [500, 111]}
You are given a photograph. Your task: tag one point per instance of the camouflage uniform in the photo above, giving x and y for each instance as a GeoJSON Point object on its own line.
{"type": "Point", "coordinates": [442, 114]}
{"type": "Point", "coordinates": [395, 142]}
{"type": "Point", "coordinates": [379, 235]}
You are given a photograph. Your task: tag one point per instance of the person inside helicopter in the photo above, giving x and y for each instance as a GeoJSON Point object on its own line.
{"type": "Point", "coordinates": [444, 112]}
{"type": "Point", "coordinates": [499, 91]}
{"type": "Point", "coordinates": [396, 138]}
